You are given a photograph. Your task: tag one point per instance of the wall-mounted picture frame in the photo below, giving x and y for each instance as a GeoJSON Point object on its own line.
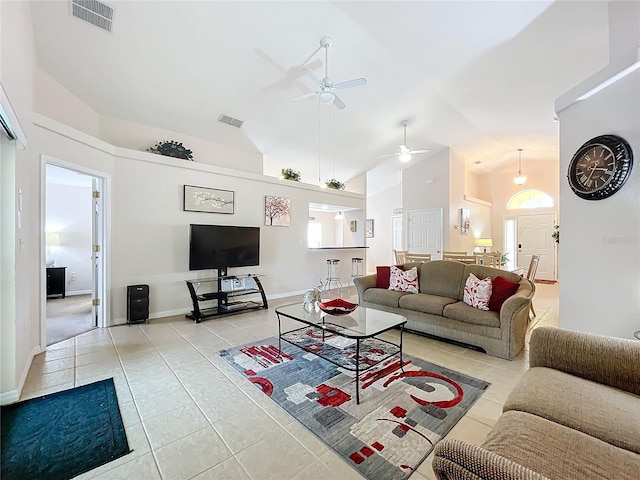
{"type": "Point", "coordinates": [353, 225]}
{"type": "Point", "coordinates": [277, 211]}
{"type": "Point", "coordinates": [464, 221]}
{"type": "Point", "coordinates": [210, 200]}
{"type": "Point", "coordinates": [369, 228]}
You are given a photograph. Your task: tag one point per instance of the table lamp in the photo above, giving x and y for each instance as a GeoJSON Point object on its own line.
{"type": "Point", "coordinates": [484, 242]}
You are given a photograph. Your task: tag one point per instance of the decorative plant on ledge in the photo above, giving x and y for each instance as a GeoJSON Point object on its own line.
{"type": "Point", "coordinates": [556, 233]}
{"type": "Point", "coordinates": [171, 149]}
{"type": "Point", "coordinates": [336, 184]}
{"type": "Point", "coordinates": [290, 174]}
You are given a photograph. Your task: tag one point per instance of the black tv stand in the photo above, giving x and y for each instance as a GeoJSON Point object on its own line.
{"type": "Point", "coordinates": [227, 292]}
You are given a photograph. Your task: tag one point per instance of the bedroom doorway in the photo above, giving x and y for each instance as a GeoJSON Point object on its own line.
{"type": "Point", "coordinates": [73, 233]}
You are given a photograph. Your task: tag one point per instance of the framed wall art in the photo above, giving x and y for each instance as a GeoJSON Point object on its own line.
{"type": "Point", "coordinates": [277, 211]}
{"type": "Point", "coordinates": [369, 227]}
{"type": "Point", "coordinates": [211, 200]}
{"type": "Point", "coordinates": [464, 221]}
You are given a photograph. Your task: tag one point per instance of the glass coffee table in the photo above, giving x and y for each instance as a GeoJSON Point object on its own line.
{"type": "Point", "coordinates": [348, 341]}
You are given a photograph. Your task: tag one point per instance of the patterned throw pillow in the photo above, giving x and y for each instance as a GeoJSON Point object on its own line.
{"type": "Point", "coordinates": [403, 281]}
{"type": "Point", "coordinates": [477, 293]}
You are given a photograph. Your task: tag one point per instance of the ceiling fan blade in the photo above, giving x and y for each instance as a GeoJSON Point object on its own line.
{"type": "Point", "coordinates": [420, 151]}
{"type": "Point", "coordinates": [390, 155]}
{"type": "Point", "coordinates": [338, 103]}
{"type": "Point", "coordinates": [306, 95]}
{"type": "Point", "coordinates": [356, 82]}
{"type": "Point", "coordinates": [311, 74]}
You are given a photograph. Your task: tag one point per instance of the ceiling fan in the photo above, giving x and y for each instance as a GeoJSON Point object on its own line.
{"type": "Point", "coordinates": [326, 86]}
{"type": "Point", "coordinates": [404, 155]}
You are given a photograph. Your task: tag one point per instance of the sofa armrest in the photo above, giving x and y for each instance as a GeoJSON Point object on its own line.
{"type": "Point", "coordinates": [607, 360]}
{"type": "Point", "coordinates": [458, 460]}
{"type": "Point", "coordinates": [362, 283]}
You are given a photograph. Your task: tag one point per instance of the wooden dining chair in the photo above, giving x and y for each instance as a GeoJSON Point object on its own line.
{"type": "Point", "coordinates": [468, 259]}
{"type": "Point", "coordinates": [488, 260]}
{"type": "Point", "coordinates": [400, 256]}
{"type": "Point", "coordinates": [418, 257]}
{"type": "Point", "coordinates": [446, 253]}
{"type": "Point", "coordinates": [531, 274]}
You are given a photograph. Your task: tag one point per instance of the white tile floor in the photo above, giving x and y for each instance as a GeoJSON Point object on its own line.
{"type": "Point", "coordinates": [188, 414]}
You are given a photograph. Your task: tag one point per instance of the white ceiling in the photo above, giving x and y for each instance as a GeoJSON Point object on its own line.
{"type": "Point", "coordinates": [477, 76]}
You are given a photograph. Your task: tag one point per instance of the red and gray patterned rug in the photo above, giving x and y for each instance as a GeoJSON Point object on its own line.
{"type": "Point", "coordinates": [400, 418]}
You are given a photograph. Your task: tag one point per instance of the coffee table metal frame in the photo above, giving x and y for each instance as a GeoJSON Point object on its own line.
{"type": "Point", "coordinates": [336, 325]}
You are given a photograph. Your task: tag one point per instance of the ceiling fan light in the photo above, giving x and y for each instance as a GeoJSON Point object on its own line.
{"type": "Point", "coordinates": [327, 97]}
{"type": "Point", "coordinates": [405, 157]}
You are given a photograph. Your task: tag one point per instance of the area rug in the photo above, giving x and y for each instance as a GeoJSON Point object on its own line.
{"type": "Point", "coordinates": [64, 434]}
{"type": "Point", "coordinates": [400, 418]}
{"type": "Point", "coordinates": [546, 282]}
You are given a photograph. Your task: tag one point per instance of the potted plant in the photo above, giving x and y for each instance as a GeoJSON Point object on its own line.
{"type": "Point", "coordinates": [171, 149]}
{"type": "Point", "coordinates": [336, 184]}
{"type": "Point", "coordinates": [556, 233]}
{"type": "Point", "coordinates": [290, 174]}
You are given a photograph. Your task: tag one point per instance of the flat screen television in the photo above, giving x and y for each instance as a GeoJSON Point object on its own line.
{"type": "Point", "coordinates": [222, 246]}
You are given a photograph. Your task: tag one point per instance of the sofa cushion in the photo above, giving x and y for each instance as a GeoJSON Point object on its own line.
{"type": "Point", "coordinates": [464, 313]}
{"type": "Point", "coordinates": [443, 278]}
{"type": "Point", "coordinates": [557, 451]}
{"type": "Point", "coordinates": [501, 290]}
{"type": "Point", "coordinates": [598, 410]}
{"type": "Point", "coordinates": [422, 302]}
{"type": "Point", "coordinates": [403, 281]}
{"type": "Point", "coordinates": [383, 296]}
{"type": "Point", "coordinates": [477, 293]}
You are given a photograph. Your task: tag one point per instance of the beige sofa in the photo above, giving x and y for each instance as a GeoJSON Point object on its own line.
{"type": "Point", "coordinates": [575, 414]}
{"type": "Point", "coordinates": [439, 310]}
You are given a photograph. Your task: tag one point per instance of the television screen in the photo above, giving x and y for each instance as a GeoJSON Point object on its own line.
{"type": "Point", "coordinates": [222, 246]}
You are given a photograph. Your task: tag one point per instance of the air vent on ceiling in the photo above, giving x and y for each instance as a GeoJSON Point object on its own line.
{"type": "Point", "coordinates": [94, 12]}
{"type": "Point", "coordinates": [234, 122]}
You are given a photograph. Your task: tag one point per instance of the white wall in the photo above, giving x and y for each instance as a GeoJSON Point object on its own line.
{"type": "Point", "coordinates": [17, 61]}
{"type": "Point", "coordinates": [55, 101]}
{"type": "Point", "coordinates": [600, 240]}
{"type": "Point", "coordinates": [68, 211]}
{"type": "Point", "coordinates": [541, 175]}
{"type": "Point", "coordinates": [136, 136]}
{"type": "Point", "coordinates": [380, 208]}
{"type": "Point", "coordinates": [149, 232]}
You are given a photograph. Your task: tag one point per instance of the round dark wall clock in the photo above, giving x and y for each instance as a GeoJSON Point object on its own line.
{"type": "Point", "coordinates": [600, 167]}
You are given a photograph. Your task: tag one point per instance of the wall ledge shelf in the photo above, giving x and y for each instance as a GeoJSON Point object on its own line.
{"type": "Point", "coordinates": [335, 248]}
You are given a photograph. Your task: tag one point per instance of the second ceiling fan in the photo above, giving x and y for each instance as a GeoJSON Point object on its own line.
{"type": "Point", "coordinates": [404, 155]}
{"type": "Point", "coordinates": [326, 86]}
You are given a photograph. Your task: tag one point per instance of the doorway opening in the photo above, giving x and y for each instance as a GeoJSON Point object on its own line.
{"type": "Point", "coordinates": [72, 231]}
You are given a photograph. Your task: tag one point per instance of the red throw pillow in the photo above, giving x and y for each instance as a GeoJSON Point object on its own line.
{"type": "Point", "coordinates": [502, 289]}
{"type": "Point", "coordinates": [383, 275]}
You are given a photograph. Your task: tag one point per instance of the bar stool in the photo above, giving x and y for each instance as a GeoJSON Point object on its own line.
{"type": "Point", "coordinates": [357, 267]}
{"type": "Point", "coordinates": [333, 274]}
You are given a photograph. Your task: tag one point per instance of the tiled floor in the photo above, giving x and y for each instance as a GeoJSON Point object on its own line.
{"type": "Point", "coordinates": [188, 414]}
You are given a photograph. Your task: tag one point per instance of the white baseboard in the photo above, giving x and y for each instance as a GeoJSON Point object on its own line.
{"type": "Point", "coordinates": [13, 396]}
{"type": "Point", "coordinates": [77, 292]}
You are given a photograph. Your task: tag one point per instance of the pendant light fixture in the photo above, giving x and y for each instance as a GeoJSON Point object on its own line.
{"type": "Point", "coordinates": [520, 179]}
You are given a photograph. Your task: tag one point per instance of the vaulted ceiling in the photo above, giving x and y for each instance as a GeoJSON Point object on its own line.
{"type": "Point", "coordinates": [477, 76]}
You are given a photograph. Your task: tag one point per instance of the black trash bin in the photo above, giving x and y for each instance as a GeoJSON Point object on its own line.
{"type": "Point", "coordinates": [137, 304]}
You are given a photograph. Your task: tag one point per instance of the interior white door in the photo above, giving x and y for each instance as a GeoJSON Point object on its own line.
{"type": "Point", "coordinates": [396, 233]}
{"type": "Point", "coordinates": [424, 232]}
{"type": "Point", "coordinates": [534, 238]}
{"type": "Point", "coordinates": [96, 252]}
